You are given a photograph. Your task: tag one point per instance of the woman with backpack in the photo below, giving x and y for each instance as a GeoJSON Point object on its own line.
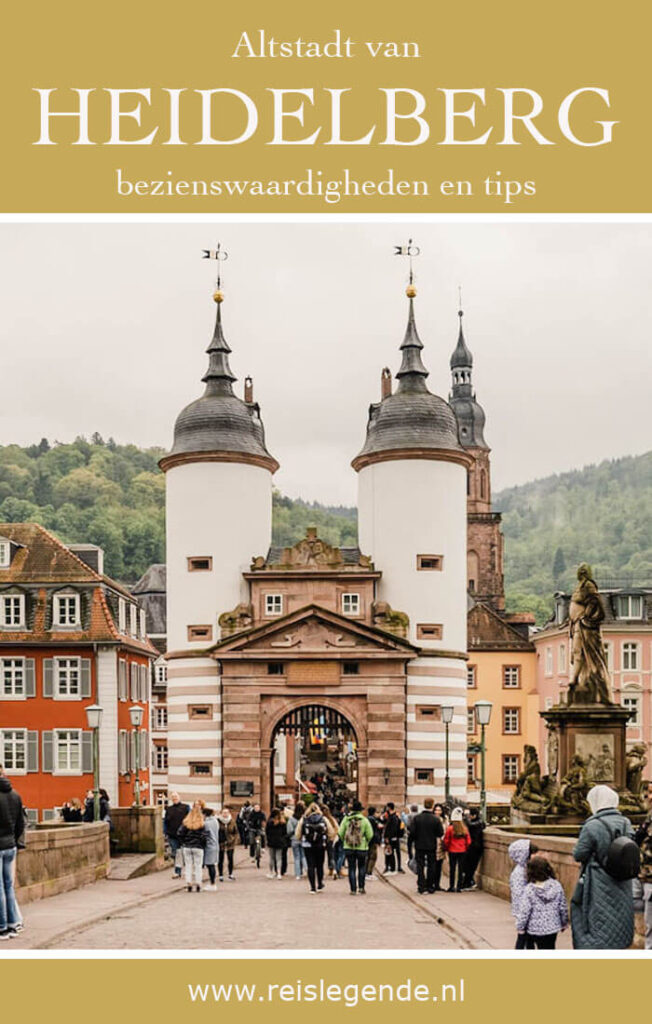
{"type": "Point", "coordinates": [456, 842]}
{"type": "Point", "coordinates": [355, 833]}
{"type": "Point", "coordinates": [602, 906]}
{"type": "Point", "coordinates": [314, 832]}
{"type": "Point", "coordinates": [192, 836]}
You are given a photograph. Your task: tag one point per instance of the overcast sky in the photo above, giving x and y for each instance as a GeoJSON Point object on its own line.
{"type": "Point", "coordinates": [104, 327]}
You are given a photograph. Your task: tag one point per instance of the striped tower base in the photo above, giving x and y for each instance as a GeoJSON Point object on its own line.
{"type": "Point", "coordinates": [195, 730]}
{"type": "Point", "coordinates": [433, 681]}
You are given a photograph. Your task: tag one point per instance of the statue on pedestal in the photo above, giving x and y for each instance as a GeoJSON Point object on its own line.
{"type": "Point", "coordinates": [590, 682]}
{"type": "Point", "coordinates": [530, 795]}
{"type": "Point", "coordinates": [573, 788]}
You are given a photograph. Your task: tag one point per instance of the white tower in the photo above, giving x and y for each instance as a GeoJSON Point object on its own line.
{"type": "Point", "coordinates": [218, 511]}
{"type": "Point", "coordinates": [412, 522]}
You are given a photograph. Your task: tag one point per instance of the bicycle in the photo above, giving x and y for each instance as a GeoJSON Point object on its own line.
{"type": "Point", "coordinates": [256, 846]}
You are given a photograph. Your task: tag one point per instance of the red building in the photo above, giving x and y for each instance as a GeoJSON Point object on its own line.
{"type": "Point", "coordinates": [69, 637]}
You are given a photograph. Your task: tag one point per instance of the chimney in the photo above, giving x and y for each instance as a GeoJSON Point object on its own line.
{"type": "Point", "coordinates": [386, 383]}
{"type": "Point", "coordinates": [248, 390]}
{"type": "Point", "coordinates": [91, 555]}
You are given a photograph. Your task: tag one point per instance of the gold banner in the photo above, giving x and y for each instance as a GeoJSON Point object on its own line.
{"type": "Point", "coordinates": [286, 108]}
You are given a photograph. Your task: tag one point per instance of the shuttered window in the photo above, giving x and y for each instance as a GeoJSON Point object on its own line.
{"type": "Point", "coordinates": [14, 750]}
{"type": "Point", "coordinates": [67, 678]}
{"type": "Point", "coordinates": [12, 610]}
{"type": "Point", "coordinates": [67, 751]}
{"type": "Point", "coordinates": [123, 759]}
{"type": "Point", "coordinates": [122, 679]}
{"type": "Point", "coordinates": [17, 678]}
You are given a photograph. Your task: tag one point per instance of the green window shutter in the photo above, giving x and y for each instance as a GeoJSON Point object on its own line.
{"type": "Point", "coordinates": [86, 677]}
{"type": "Point", "coordinates": [30, 679]}
{"type": "Point", "coordinates": [48, 680]}
{"type": "Point", "coordinates": [32, 750]}
{"type": "Point", "coordinates": [48, 751]}
{"type": "Point", "coordinates": [87, 751]}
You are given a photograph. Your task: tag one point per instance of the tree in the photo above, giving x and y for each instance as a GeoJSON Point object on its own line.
{"type": "Point", "coordinates": [559, 564]}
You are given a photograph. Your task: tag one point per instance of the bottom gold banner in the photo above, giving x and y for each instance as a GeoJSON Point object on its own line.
{"type": "Point", "coordinates": [108, 990]}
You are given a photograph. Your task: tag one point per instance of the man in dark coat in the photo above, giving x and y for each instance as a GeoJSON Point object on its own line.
{"type": "Point", "coordinates": [392, 837]}
{"type": "Point", "coordinates": [175, 812]}
{"type": "Point", "coordinates": [474, 853]}
{"type": "Point", "coordinates": [12, 828]}
{"type": "Point", "coordinates": [425, 829]}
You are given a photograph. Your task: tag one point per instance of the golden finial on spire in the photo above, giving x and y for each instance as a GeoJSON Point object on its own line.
{"type": "Point", "coordinates": [410, 251]}
{"type": "Point", "coordinates": [218, 254]}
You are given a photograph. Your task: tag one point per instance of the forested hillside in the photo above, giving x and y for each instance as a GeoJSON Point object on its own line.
{"type": "Point", "coordinates": [113, 495]}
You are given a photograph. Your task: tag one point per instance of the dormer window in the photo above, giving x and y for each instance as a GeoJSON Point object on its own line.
{"type": "Point", "coordinates": [629, 606]}
{"type": "Point", "coordinates": [12, 611]}
{"type": "Point", "coordinates": [273, 604]}
{"type": "Point", "coordinates": [5, 553]}
{"type": "Point", "coordinates": [350, 604]}
{"type": "Point", "coordinates": [66, 610]}
{"type": "Point", "coordinates": [122, 615]}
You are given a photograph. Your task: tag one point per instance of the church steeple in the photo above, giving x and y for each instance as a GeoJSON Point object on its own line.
{"type": "Point", "coordinates": [469, 413]}
{"type": "Point", "coordinates": [218, 377]}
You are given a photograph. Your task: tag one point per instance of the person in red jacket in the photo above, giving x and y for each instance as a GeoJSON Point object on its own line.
{"type": "Point", "coordinates": [456, 841]}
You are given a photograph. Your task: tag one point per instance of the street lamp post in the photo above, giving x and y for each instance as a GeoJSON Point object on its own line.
{"type": "Point", "coordinates": [483, 717]}
{"type": "Point", "coordinates": [447, 712]}
{"type": "Point", "coordinates": [136, 715]}
{"type": "Point", "coordinates": [94, 719]}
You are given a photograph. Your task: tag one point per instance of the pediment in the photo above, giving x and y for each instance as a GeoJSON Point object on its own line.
{"type": "Point", "coordinates": [313, 631]}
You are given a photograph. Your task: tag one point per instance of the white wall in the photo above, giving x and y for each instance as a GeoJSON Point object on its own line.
{"type": "Point", "coordinates": [408, 507]}
{"type": "Point", "coordinates": [222, 510]}
{"type": "Point", "coordinates": [107, 698]}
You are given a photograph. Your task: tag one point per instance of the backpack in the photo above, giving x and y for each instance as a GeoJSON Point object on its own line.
{"type": "Point", "coordinates": [314, 832]}
{"type": "Point", "coordinates": [623, 860]}
{"type": "Point", "coordinates": [353, 833]}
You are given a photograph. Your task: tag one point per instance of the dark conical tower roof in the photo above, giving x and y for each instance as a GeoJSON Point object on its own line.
{"type": "Point", "coordinates": [219, 426]}
{"type": "Point", "coordinates": [469, 413]}
{"type": "Point", "coordinates": [412, 422]}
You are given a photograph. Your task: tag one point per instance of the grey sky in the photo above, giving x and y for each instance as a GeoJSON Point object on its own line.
{"type": "Point", "coordinates": [104, 326]}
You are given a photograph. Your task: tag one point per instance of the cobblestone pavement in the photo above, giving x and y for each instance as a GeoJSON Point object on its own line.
{"type": "Point", "coordinates": [257, 912]}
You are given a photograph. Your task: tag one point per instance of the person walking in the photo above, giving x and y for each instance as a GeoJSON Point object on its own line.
{"type": "Point", "coordinates": [228, 838]}
{"type": "Point", "coordinates": [12, 831]}
{"type": "Point", "coordinates": [474, 853]}
{"type": "Point", "coordinates": [408, 817]}
{"type": "Point", "coordinates": [519, 852]}
{"type": "Point", "coordinates": [542, 911]}
{"type": "Point", "coordinates": [644, 839]}
{"type": "Point", "coordinates": [313, 831]}
{"type": "Point", "coordinates": [392, 833]}
{"type": "Point", "coordinates": [298, 855]}
{"type": "Point", "coordinates": [440, 855]}
{"type": "Point", "coordinates": [255, 826]}
{"type": "Point", "coordinates": [193, 837]}
{"type": "Point", "coordinates": [276, 835]}
{"type": "Point", "coordinates": [456, 842]}
{"type": "Point", "coordinates": [212, 848]}
{"type": "Point", "coordinates": [375, 842]}
{"type": "Point", "coordinates": [355, 833]}
{"type": "Point", "coordinates": [602, 908]}
{"type": "Point", "coordinates": [425, 831]}
{"type": "Point", "coordinates": [334, 849]}
{"type": "Point", "coordinates": [243, 822]}
{"type": "Point", "coordinates": [175, 812]}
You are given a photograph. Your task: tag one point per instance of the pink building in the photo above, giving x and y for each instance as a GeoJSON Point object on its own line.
{"type": "Point", "coordinates": [627, 635]}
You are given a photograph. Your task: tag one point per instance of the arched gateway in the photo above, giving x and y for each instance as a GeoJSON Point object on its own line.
{"type": "Point", "coordinates": [310, 743]}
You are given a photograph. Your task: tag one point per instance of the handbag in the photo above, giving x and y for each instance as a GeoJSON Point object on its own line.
{"type": "Point", "coordinates": [412, 864]}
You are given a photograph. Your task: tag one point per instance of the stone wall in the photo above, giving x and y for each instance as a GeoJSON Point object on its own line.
{"type": "Point", "coordinates": [138, 830]}
{"type": "Point", "coordinates": [496, 867]}
{"type": "Point", "coordinates": [61, 857]}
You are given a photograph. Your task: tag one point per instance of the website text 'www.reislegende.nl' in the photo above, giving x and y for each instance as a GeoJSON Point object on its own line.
{"type": "Point", "coordinates": [324, 991]}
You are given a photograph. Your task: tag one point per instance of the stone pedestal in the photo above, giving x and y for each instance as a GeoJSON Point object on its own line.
{"type": "Point", "coordinates": [597, 733]}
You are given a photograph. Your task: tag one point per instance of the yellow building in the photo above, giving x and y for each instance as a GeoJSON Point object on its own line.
{"type": "Point", "coordinates": [501, 669]}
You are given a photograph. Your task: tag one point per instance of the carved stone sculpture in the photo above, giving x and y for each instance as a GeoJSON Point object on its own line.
{"type": "Point", "coordinates": [242, 617]}
{"type": "Point", "coordinates": [636, 760]}
{"type": "Point", "coordinates": [589, 683]}
{"type": "Point", "coordinates": [385, 617]}
{"type": "Point", "coordinates": [571, 798]}
{"type": "Point", "coordinates": [530, 795]}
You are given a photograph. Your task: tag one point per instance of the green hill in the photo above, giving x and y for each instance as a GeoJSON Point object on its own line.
{"type": "Point", "coordinates": [113, 495]}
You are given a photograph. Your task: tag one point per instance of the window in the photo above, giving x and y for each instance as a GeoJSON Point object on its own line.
{"type": "Point", "coordinates": [350, 668]}
{"type": "Point", "coordinates": [275, 668]}
{"type": "Point", "coordinates": [548, 661]}
{"type": "Point", "coordinates": [548, 703]}
{"type": "Point", "coordinates": [427, 712]}
{"type": "Point", "coordinates": [511, 768]}
{"type": "Point", "coordinates": [200, 563]}
{"type": "Point", "coordinates": [66, 610]}
{"type": "Point", "coordinates": [17, 678]}
{"type": "Point", "coordinates": [122, 615]}
{"type": "Point", "coordinates": [14, 750]}
{"type": "Point", "coordinates": [471, 677]}
{"type": "Point", "coordinates": [67, 748]}
{"type": "Point", "coordinates": [562, 658]}
{"type": "Point", "coordinates": [429, 631]}
{"type": "Point", "coordinates": [511, 721]}
{"type": "Point", "coordinates": [632, 702]}
{"type": "Point", "coordinates": [200, 711]}
{"type": "Point", "coordinates": [424, 776]}
{"type": "Point", "coordinates": [67, 677]}
{"type": "Point", "coordinates": [12, 610]}
{"type": "Point", "coordinates": [470, 720]}
{"type": "Point", "coordinates": [273, 604]}
{"type": "Point", "coordinates": [5, 554]}
{"type": "Point", "coordinates": [133, 624]}
{"type": "Point", "coordinates": [160, 757]}
{"type": "Point", "coordinates": [200, 633]}
{"type": "Point", "coordinates": [432, 562]}
{"type": "Point", "coordinates": [630, 656]}
{"type": "Point", "coordinates": [201, 768]}
{"type": "Point", "coordinates": [123, 751]}
{"type": "Point", "coordinates": [159, 717]}
{"type": "Point", "coordinates": [32, 815]}
{"type": "Point", "coordinates": [470, 769]}
{"type": "Point", "coordinates": [629, 606]}
{"type": "Point", "coordinates": [350, 604]}
{"type": "Point", "coordinates": [161, 673]}
{"type": "Point", "coordinates": [122, 679]}
{"type": "Point", "coordinates": [511, 677]}
{"type": "Point", "coordinates": [607, 653]}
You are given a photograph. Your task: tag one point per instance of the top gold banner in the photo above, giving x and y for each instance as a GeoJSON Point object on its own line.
{"type": "Point", "coordinates": [367, 107]}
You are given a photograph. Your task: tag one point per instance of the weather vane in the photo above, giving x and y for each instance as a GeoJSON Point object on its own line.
{"type": "Point", "coordinates": [220, 255]}
{"type": "Point", "coordinates": [410, 251]}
